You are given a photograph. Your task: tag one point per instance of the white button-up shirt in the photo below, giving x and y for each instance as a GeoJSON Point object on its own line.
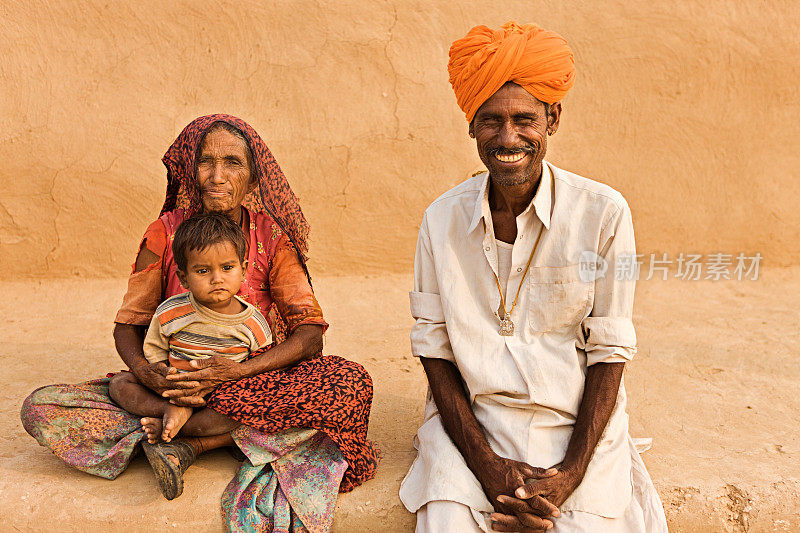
{"type": "Point", "coordinates": [525, 389]}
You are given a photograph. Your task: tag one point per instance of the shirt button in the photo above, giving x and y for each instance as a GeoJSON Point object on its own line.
{"type": "Point", "coordinates": [519, 269]}
{"type": "Point", "coordinates": [487, 248]}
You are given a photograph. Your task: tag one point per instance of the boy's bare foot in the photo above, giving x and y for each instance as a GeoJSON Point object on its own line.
{"type": "Point", "coordinates": [152, 429]}
{"type": "Point", "coordinates": [174, 419]}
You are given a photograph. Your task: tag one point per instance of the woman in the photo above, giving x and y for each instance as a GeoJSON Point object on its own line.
{"type": "Point", "coordinates": [303, 413]}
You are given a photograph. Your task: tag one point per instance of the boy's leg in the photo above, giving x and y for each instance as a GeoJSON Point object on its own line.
{"type": "Point", "coordinates": [134, 397]}
{"type": "Point", "coordinates": [202, 431]}
{"type": "Point", "coordinates": [210, 429]}
{"type": "Point", "coordinates": [139, 400]}
{"type": "Point", "coordinates": [205, 429]}
{"type": "Point", "coordinates": [175, 417]}
{"type": "Point", "coordinates": [207, 422]}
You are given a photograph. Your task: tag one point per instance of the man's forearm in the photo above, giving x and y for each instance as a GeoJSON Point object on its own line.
{"type": "Point", "coordinates": [597, 404]}
{"type": "Point", "coordinates": [457, 417]}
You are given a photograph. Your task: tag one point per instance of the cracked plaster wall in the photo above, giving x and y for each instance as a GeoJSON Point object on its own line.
{"type": "Point", "coordinates": [689, 108]}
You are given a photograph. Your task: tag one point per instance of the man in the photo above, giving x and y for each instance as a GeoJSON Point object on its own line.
{"type": "Point", "coordinates": [525, 426]}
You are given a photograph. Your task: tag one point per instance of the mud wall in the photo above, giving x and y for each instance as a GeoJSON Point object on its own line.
{"type": "Point", "coordinates": [689, 108]}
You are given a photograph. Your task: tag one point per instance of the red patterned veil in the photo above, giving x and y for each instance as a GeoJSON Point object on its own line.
{"type": "Point", "coordinates": [272, 196]}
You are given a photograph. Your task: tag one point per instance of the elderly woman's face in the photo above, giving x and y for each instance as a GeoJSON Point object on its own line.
{"type": "Point", "coordinates": [223, 172]}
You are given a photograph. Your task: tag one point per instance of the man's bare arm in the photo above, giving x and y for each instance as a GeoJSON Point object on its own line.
{"type": "Point", "coordinates": [497, 475]}
{"type": "Point", "coordinates": [597, 404]}
{"type": "Point", "coordinates": [457, 417]}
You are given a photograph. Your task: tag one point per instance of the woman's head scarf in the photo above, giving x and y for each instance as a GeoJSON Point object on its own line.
{"type": "Point", "coordinates": [272, 196]}
{"type": "Point", "coordinates": [538, 60]}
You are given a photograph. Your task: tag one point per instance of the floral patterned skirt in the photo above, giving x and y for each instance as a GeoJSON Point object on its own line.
{"type": "Point", "coordinates": [327, 393]}
{"type": "Point", "coordinates": [304, 433]}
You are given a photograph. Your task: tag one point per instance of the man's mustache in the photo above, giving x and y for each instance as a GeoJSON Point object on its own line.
{"type": "Point", "coordinates": [510, 151]}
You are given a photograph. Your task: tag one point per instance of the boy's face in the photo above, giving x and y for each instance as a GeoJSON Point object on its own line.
{"type": "Point", "coordinates": [213, 275]}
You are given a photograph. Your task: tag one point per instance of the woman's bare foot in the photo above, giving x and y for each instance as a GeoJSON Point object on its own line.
{"type": "Point", "coordinates": [174, 419]}
{"type": "Point", "coordinates": [152, 429]}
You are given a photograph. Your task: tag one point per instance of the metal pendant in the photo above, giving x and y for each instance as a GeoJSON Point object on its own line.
{"type": "Point", "coordinates": [506, 327]}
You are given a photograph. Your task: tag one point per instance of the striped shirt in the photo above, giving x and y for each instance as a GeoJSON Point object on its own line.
{"type": "Point", "coordinates": [183, 329]}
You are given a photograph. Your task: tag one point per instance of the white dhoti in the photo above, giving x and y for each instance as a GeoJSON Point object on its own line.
{"type": "Point", "coordinates": [644, 513]}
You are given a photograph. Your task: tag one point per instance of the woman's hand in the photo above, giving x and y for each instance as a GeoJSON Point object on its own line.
{"type": "Point", "coordinates": [189, 388]}
{"type": "Point", "coordinates": [154, 376]}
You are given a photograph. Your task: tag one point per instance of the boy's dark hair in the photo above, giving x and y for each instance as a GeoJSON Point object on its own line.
{"type": "Point", "coordinates": [201, 231]}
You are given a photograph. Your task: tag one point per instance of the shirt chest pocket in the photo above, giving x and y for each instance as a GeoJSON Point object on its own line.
{"type": "Point", "coordinates": [559, 299]}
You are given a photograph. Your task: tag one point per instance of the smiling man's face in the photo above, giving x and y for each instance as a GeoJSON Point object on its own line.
{"type": "Point", "coordinates": [511, 130]}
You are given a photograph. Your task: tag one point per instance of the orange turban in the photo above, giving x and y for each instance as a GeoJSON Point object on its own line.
{"type": "Point", "coordinates": [538, 60]}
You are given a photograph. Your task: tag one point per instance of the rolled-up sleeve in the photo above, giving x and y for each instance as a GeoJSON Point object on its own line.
{"type": "Point", "coordinates": [429, 334]}
{"type": "Point", "coordinates": [608, 331]}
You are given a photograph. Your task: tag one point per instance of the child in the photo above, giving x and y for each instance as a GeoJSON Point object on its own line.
{"type": "Point", "coordinates": [208, 320]}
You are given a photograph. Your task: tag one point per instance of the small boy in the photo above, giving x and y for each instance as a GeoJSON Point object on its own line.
{"type": "Point", "coordinates": [208, 320]}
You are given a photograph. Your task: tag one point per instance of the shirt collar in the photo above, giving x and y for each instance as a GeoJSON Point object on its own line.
{"type": "Point", "coordinates": [542, 201]}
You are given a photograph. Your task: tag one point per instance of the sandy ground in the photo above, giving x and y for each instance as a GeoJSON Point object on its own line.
{"type": "Point", "coordinates": [715, 384]}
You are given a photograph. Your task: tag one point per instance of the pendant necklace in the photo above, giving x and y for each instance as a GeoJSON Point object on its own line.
{"type": "Point", "coordinates": [506, 325]}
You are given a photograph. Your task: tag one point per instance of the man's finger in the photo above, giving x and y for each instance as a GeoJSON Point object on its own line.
{"type": "Point", "coordinates": [542, 507]}
{"type": "Point", "coordinates": [193, 375]}
{"type": "Point", "coordinates": [504, 522]}
{"type": "Point", "coordinates": [536, 505]}
{"type": "Point", "coordinates": [185, 396]}
{"type": "Point", "coordinates": [534, 472]}
{"type": "Point", "coordinates": [534, 522]}
{"type": "Point", "coordinates": [533, 488]}
{"type": "Point", "coordinates": [176, 385]}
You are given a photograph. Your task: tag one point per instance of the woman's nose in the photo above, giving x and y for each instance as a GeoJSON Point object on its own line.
{"type": "Point", "coordinates": [217, 174]}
